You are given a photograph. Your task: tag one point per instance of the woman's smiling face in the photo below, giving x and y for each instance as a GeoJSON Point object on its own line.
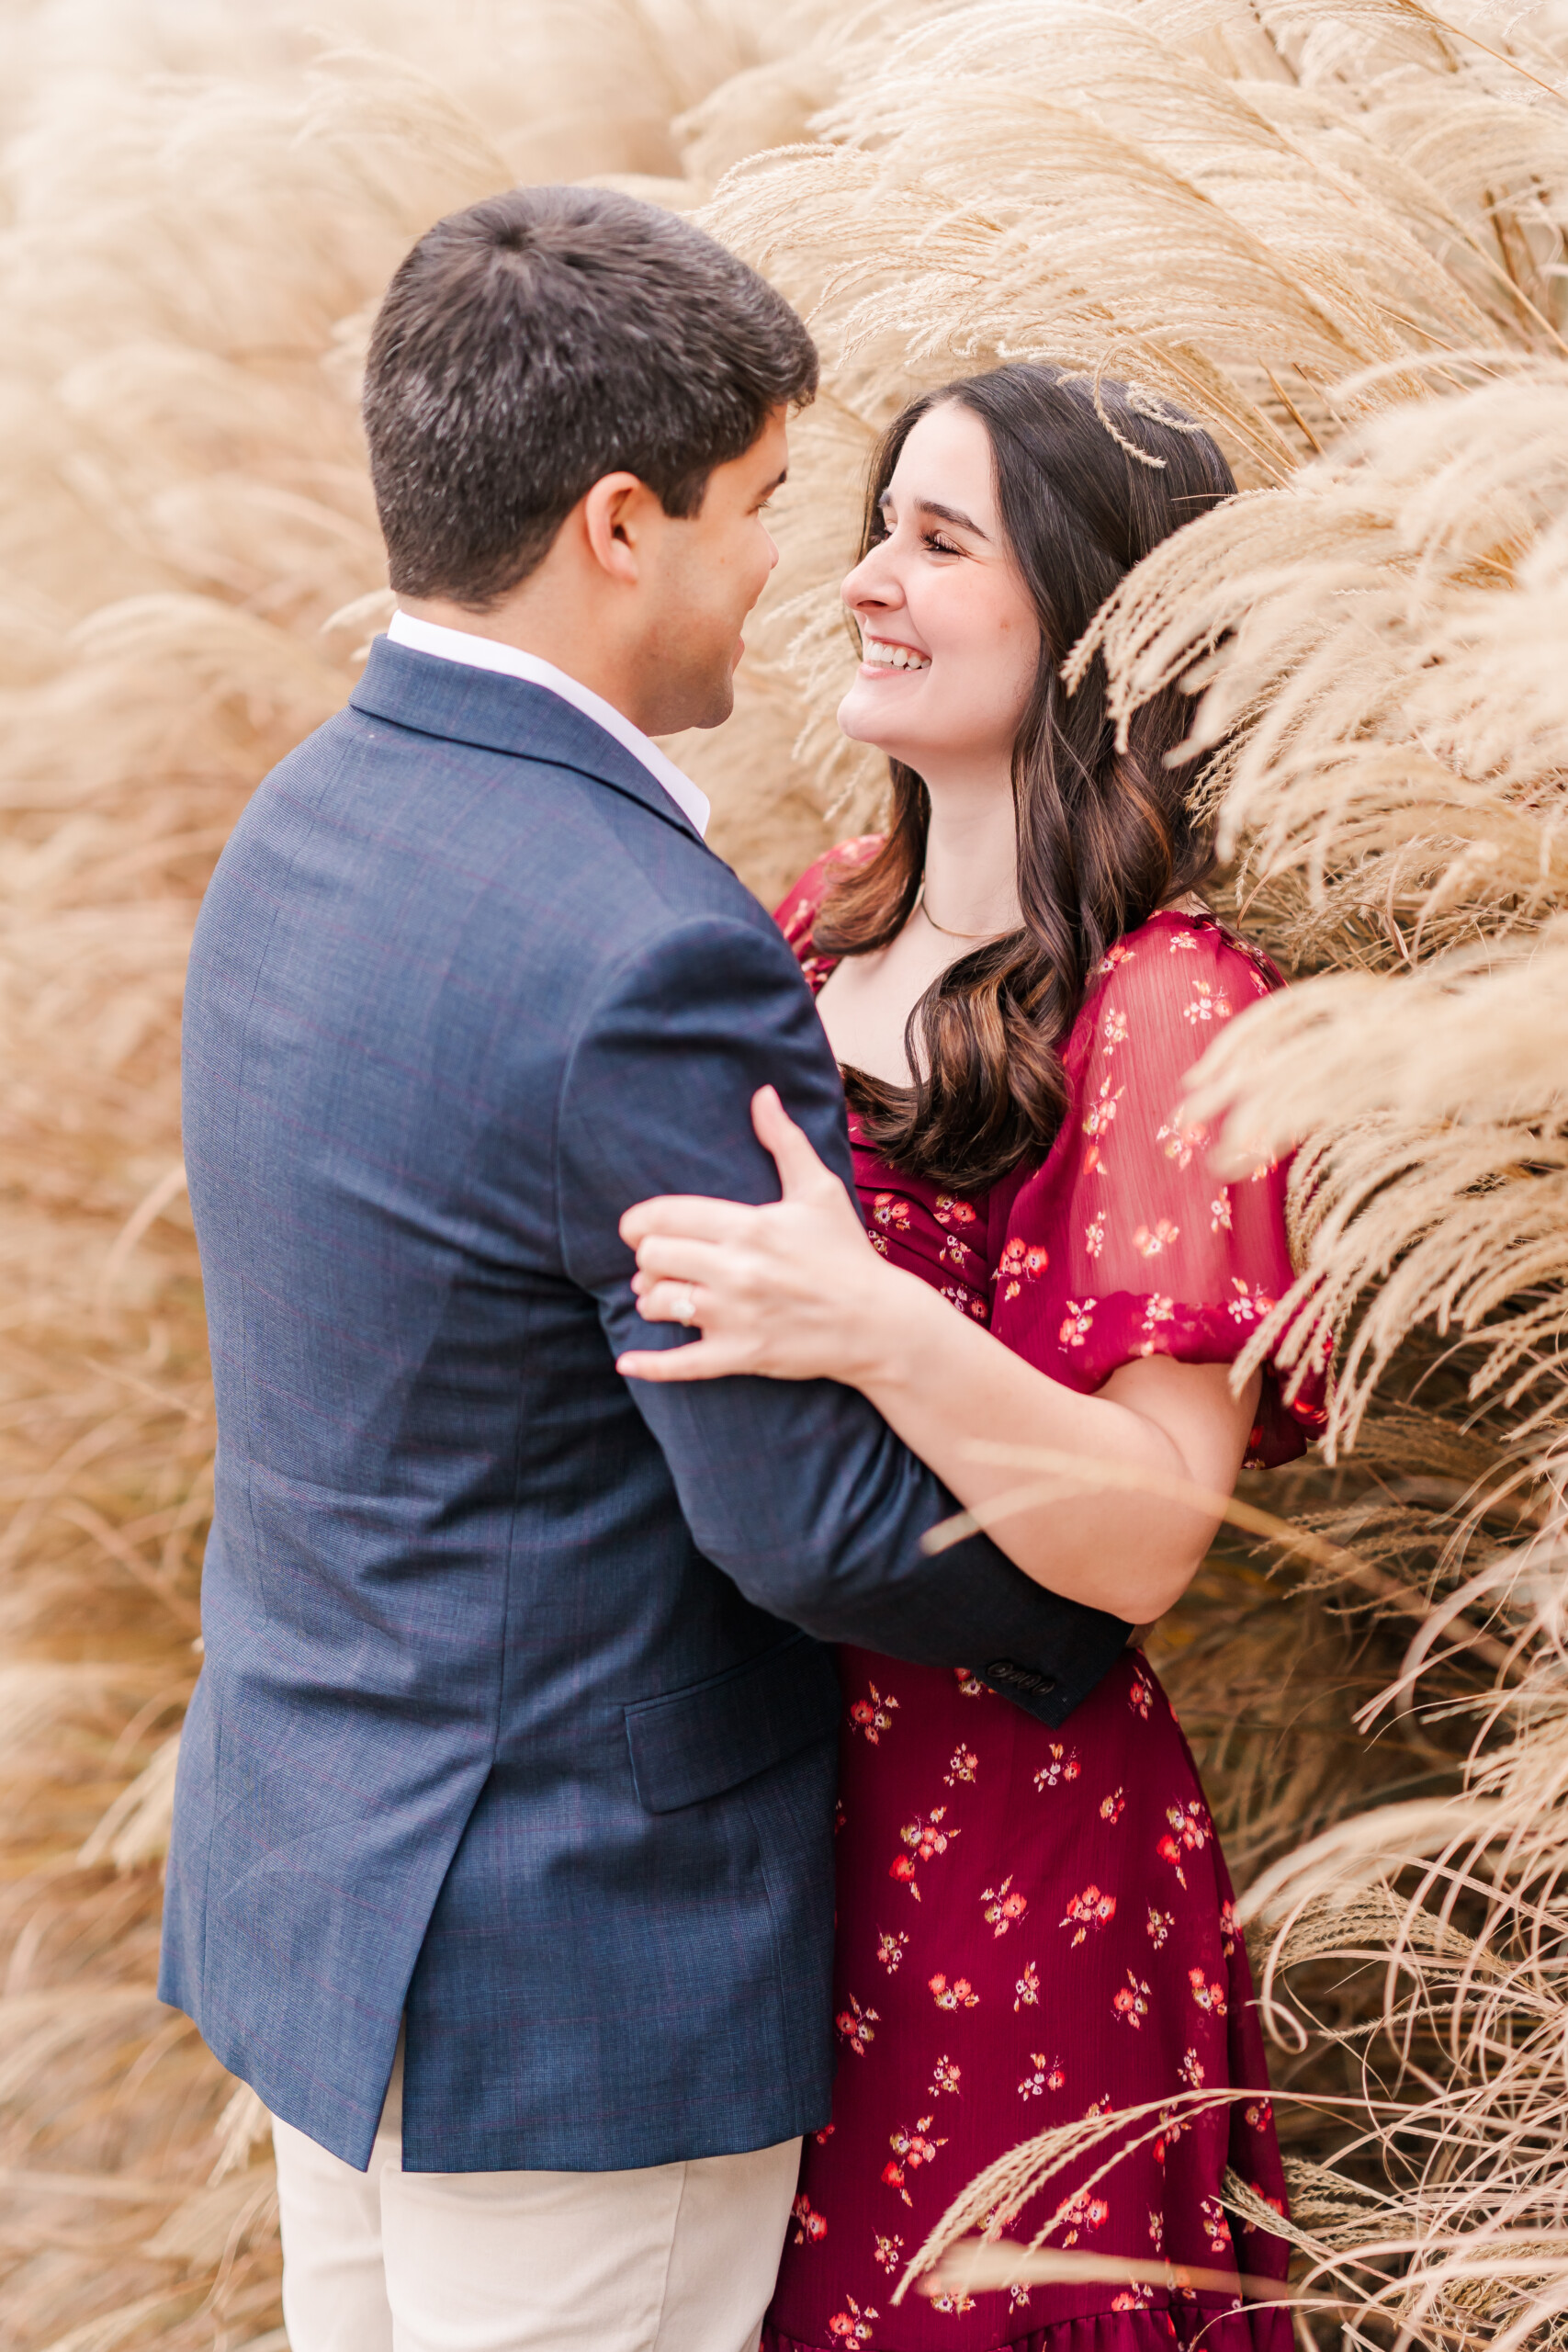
{"type": "Point", "coordinates": [949, 635]}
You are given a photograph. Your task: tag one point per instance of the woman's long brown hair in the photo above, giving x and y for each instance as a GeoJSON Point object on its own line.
{"type": "Point", "coordinates": [1104, 836]}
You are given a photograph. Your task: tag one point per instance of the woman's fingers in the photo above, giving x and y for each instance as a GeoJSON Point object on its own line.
{"type": "Point", "coordinates": [800, 1169]}
{"type": "Point", "coordinates": [689, 1215]}
{"type": "Point", "coordinates": [704, 1359]}
{"type": "Point", "coordinates": [663, 1257]}
{"type": "Point", "coordinates": [670, 1302]}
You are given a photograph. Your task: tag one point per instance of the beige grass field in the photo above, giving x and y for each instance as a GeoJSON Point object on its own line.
{"type": "Point", "coordinates": [1334, 229]}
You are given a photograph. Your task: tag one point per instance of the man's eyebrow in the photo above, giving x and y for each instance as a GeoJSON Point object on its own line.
{"type": "Point", "coordinates": [953, 515]}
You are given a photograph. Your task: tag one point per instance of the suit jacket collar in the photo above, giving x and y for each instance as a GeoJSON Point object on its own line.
{"type": "Point", "coordinates": [497, 713]}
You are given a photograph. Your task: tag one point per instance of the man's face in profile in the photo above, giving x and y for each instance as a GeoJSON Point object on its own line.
{"type": "Point", "coordinates": [710, 570]}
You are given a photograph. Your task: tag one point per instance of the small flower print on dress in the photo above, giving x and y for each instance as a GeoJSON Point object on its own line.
{"type": "Point", "coordinates": [810, 2224]}
{"type": "Point", "coordinates": [1151, 1241]}
{"type": "Point", "coordinates": [957, 2303]}
{"type": "Point", "coordinates": [1047, 2077]}
{"type": "Point", "coordinates": [1094, 1234]}
{"type": "Point", "coordinates": [1113, 1029]}
{"type": "Point", "coordinates": [850, 2325]}
{"type": "Point", "coordinates": [1160, 1924]}
{"type": "Point", "coordinates": [1141, 1697]}
{"type": "Point", "coordinates": [1248, 1306]}
{"type": "Point", "coordinates": [959, 1995]}
{"type": "Point", "coordinates": [1220, 1213]}
{"type": "Point", "coordinates": [1157, 2231]}
{"type": "Point", "coordinates": [1113, 1807]}
{"type": "Point", "coordinates": [1027, 1990]}
{"type": "Point", "coordinates": [886, 2252]}
{"type": "Point", "coordinates": [873, 1716]}
{"type": "Point", "coordinates": [857, 2026]}
{"type": "Point", "coordinates": [1089, 1910]}
{"type": "Point", "coordinates": [1191, 2072]}
{"type": "Point", "coordinates": [1082, 2211]}
{"type": "Point", "coordinates": [1062, 1769]}
{"type": "Point", "coordinates": [1181, 942]}
{"type": "Point", "coordinates": [1021, 1263]}
{"type": "Point", "coordinates": [1120, 954]}
{"type": "Point", "coordinates": [1209, 1003]}
{"type": "Point", "coordinates": [969, 1685]}
{"type": "Point", "coordinates": [928, 1839]}
{"type": "Point", "coordinates": [966, 1301]}
{"type": "Point", "coordinates": [1207, 1995]}
{"type": "Point", "coordinates": [1189, 1832]}
{"type": "Point", "coordinates": [1229, 1929]}
{"type": "Point", "coordinates": [963, 1765]}
{"type": "Point", "coordinates": [944, 2078]}
{"type": "Point", "coordinates": [1259, 2114]}
{"type": "Point", "coordinates": [892, 1210]}
{"type": "Point", "coordinates": [877, 1242]}
{"type": "Point", "coordinates": [1003, 1904]}
{"type": "Point", "coordinates": [1080, 1322]}
{"type": "Point", "coordinates": [890, 1949]}
{"type": "Point", "coordinates": [949, 1211]}
{"type": "Point", "coordinates": [1157, 1312]}
{"type": "Point", "coordinates": [911, 2149]}
{"type": "Point", "coordinates": [1216, 2228]}
{"type": "Point", "coordinates": [1131, 2004]}
{"type": "Point", "coordinates": [1181, 1141]}
{"type": "Point", "coordinates": [1097, 1120]}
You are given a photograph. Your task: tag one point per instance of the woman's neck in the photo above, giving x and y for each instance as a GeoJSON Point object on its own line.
{"type": "Point", "coordinates": [972, 863]}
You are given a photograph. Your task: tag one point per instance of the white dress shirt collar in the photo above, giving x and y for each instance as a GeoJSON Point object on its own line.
{"type": "Point", "coordinates": [486, 654]}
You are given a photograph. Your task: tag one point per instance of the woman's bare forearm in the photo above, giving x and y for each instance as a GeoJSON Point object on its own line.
{"type": "Point", "coordinates": [942, 1382]}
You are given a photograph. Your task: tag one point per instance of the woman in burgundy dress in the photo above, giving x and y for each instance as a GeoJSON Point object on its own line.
{"type": "Point", "coordinates": [1034, 1925]}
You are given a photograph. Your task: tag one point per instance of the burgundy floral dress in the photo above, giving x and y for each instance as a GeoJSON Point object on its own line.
{"type": "Point", "coordinates": [1034, 1925]}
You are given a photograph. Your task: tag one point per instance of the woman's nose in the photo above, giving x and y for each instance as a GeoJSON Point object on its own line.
{"type": "Point", "coordinates": [873, 581]}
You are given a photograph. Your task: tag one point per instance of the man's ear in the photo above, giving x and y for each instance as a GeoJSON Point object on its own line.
{"type": "Point", "coordinates": [614, 521]}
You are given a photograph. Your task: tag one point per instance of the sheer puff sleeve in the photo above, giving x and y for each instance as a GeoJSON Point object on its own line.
{"type": "Point", "coordinates": [1125, 1244]}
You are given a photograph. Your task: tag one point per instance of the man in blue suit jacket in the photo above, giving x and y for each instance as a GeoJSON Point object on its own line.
{"type": "Point", "coordinates": [512, 1756]}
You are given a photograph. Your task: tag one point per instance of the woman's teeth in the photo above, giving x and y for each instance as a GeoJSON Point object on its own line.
{"type": "Point", "coordinates": [893, 657]}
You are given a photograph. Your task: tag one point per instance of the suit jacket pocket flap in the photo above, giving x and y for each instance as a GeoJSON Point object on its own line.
{"type": "Point", "coordinates": [698, 1742]}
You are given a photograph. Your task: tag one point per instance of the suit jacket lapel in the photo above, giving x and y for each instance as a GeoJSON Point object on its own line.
{"type": "Point", "coordinates": [497, 713]}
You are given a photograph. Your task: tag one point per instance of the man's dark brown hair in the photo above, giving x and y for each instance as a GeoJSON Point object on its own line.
{"type": "Point", "coordinates": [541, 339]}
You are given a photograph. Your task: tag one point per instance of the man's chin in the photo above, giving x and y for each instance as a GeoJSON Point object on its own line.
{"type": "Point", "coordinates": [719, 704]}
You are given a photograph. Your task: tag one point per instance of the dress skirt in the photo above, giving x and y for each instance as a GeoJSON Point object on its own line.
{"type": "Point", "coordinates": [1033, 1927]}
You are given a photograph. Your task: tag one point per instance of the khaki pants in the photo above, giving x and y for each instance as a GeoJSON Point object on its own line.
{"type": "Point", "coordinates": [674, 2259]}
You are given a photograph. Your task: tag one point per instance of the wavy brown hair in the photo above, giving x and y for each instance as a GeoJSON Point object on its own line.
{"type": "Point", "coordinates": [1104, 835]}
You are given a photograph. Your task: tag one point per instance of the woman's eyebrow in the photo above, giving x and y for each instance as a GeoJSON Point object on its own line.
{"type": "Point", "coordinates": [953, 515]}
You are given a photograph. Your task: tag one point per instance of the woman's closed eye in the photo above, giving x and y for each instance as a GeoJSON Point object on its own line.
{"type": "Point", "coordinates": [936, 544]}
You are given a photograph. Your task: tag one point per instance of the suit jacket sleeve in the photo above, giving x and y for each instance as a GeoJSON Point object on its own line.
{"type": "Point", "coordinates": [797, 1489]}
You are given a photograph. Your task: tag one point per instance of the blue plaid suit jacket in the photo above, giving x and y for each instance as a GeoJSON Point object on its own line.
{"type": "Point", "coordinates": [514, 1712]}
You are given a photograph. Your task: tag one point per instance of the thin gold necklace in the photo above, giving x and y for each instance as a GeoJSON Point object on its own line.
{"type": "Point", "coordinates": [947, 932]}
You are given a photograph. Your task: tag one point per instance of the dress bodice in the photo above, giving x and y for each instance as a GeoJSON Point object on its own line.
{"type": "Point", "coordinates": [1122, 1242]}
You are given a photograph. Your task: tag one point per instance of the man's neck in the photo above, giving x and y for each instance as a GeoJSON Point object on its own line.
{"type": "Point", "coordinates": [524, 622]}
